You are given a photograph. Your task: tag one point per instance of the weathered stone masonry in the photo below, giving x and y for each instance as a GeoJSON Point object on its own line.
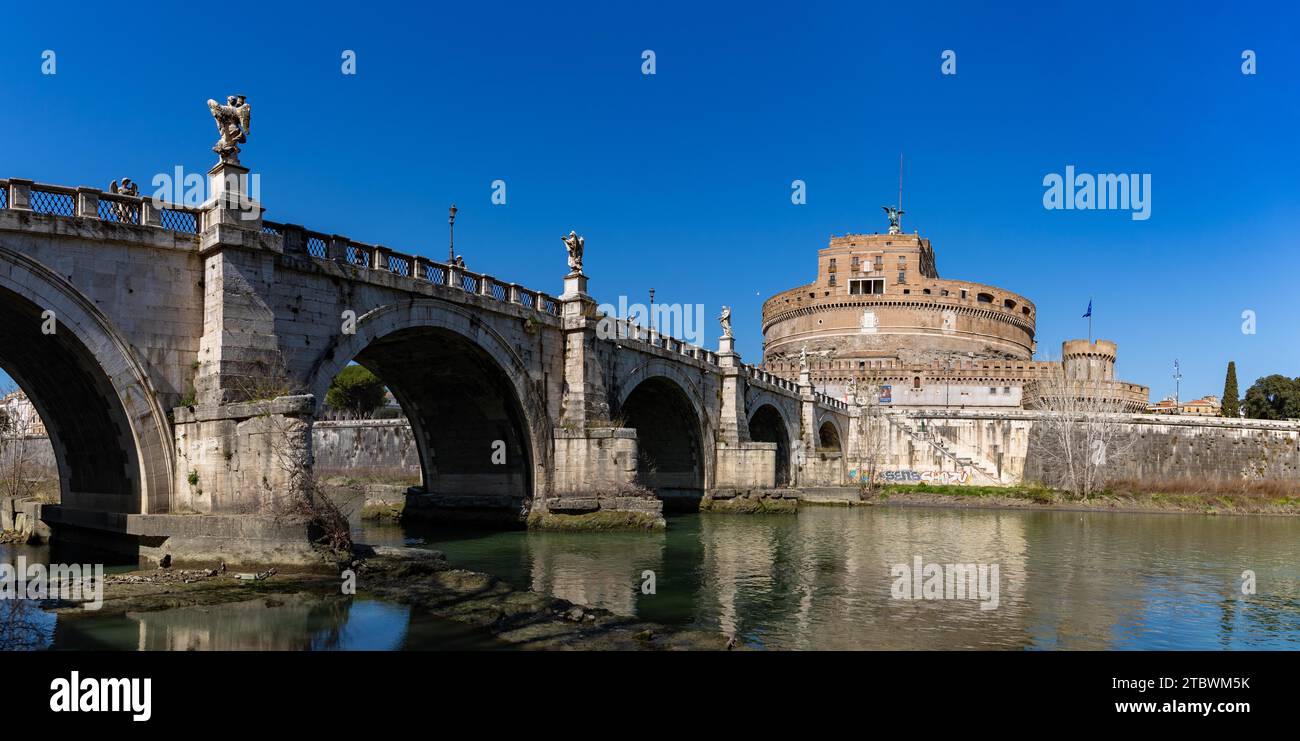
{"type": "Point", "coordinates": [192, 345]}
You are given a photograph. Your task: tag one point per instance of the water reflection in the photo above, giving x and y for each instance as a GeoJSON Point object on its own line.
{"type": "Point", "coordinates": [298, 622]}
{"type": "Point", "coordinates": [818, 580]}
{"type": "Point", "coordinates": [821, 580]}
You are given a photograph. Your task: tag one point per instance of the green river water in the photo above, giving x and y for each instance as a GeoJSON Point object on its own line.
{"type": "Point", "coordinates": [822, 579]}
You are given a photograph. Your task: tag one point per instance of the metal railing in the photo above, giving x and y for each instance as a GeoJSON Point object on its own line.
{"type": "Point", "coordinates": [629, 331]}
{"type": "Point", "coordinates": [91, 203]}
{"type": "Point", "coordinates": [380, 259]}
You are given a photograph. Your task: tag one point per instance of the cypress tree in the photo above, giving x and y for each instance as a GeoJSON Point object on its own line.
{"type": "Point", "coordinates": [1231, 401]}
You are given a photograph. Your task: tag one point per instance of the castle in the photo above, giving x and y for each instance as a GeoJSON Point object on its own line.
{"type": "Point", "coordinates": [878, 314]}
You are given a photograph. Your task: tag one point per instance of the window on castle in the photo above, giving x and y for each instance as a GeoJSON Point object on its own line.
{"type": "Point", "coordinates": [854, 264]}
{"type": "Point", "coordinates": [866, 286]}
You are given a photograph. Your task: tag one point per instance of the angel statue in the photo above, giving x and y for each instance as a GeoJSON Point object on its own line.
{"type": "Point", "coordinates": [574, 244]}
{"type": "Point", "coordinates": [895, 217]}
{"type": "Point", "coordinates": [725, 320]}
{"type": "Point", "coordinates": [125, 213]}
{"type": "Point", "coordinates": [852, 390]}
{"type": "Point", "coordinates": [232, 121]}
{"type": "Point", "coordinates": [128, 187]}
{"type": "Point", "coordinates": [803, 359]}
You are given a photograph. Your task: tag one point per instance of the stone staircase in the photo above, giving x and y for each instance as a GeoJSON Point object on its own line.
{"type": "Point", "coordinates": [964, 457]}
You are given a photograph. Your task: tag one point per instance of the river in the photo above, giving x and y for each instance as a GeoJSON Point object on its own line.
{"type": "Point", "coordinates": [823, 579]}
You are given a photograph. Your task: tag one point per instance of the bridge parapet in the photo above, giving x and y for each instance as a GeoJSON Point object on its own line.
{"type": "Point", "coordinates": [634, 335]}
{"type": "Point", "coordinates": [91, 203]}
{"type": "Point", "coordinates": [381, 259]}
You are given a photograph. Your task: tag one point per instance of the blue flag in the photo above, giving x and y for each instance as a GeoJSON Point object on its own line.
{"type": "Point", "coordinates": [1089, 312]}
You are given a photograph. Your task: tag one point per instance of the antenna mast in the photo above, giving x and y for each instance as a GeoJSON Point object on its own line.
{"type": "Point", "coordinates": [900, 181]}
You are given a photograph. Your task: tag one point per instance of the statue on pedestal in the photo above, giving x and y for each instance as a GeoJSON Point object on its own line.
{"type": "Point", "coordinates": [574, 244]}
{"type": "Point", "coordinates": [895, 217]}
{"type": "Point", "coordinates": [233, 123]}
{"type": "Point", "coordinates": [725, 321]}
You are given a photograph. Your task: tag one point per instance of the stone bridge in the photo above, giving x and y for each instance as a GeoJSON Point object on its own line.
{"type": "Point", "coordinates": [178, 356]}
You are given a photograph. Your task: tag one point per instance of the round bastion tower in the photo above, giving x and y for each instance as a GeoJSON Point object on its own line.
{"type": "Point", "coordinates": [1088, 361]}
{"type": "Point", "coordinates": [879, 316]}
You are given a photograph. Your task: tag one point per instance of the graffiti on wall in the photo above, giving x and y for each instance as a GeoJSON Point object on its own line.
{"type": "Point", "coordinates": [908, 476]}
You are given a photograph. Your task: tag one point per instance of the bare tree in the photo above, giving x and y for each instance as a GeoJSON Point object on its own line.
{"type": "Point", "coordinates": [1083, 435]}
{"type": "Point", "coordinates": [296, 496]}
{"type": "Point", "coordinates": [16, 457]}
{"type": "Point", "coordinates": [872, 434]}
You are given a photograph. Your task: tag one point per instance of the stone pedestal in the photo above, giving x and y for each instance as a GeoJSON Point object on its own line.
{"type": "Point", "coordinates": [232, 200]}
{"type": "Point", "coordinates": [238, 353]}
{"type": "Point", "coordinates": [585, 397]}
{"type": "Point", "coordinates": [575, 286]}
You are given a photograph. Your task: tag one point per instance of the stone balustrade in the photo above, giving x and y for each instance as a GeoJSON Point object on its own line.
{"type": "Point", "coordinates": [92, 203]}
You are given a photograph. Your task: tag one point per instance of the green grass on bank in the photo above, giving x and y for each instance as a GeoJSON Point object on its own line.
{"type": "Point", "coordinates": [1212, 498]}
{"type": "Point", "coordinates": [1032, 493]}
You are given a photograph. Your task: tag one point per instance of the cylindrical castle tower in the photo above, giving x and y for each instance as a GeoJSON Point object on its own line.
{"type": "Point", "coordinates": [879, 297]}
{"type": "Point", "coordinates": [1088, 361]}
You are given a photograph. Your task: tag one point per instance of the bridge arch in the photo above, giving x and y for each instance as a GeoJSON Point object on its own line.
{"type": "Point", "coordinates": [768, 425]}
{"type": "Point", "coordinates": [466, 392]}
{"type": "Point", "coordinates": [663, 404]}
{"type": "Point", "coordinates": [111, 438]}
{"type": "Point", "coordinates": [829, 436]}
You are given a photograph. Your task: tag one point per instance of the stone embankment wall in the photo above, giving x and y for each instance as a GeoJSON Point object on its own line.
{"type": "Point", "coordinates": [1007, 448]}
{"type": "Point", "coordinates": [374, 444]}
{"type": "Point", "coordinates": [36, 452]}
{"type": "Point", "coordinates": [955, 447]}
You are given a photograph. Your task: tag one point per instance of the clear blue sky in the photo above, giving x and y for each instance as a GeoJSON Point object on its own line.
{"type": "Point", "coordinates": [681, 180]}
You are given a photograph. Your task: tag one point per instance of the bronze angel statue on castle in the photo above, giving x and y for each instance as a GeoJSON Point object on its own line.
{"type": "Point", "coordinates": [233, 123]}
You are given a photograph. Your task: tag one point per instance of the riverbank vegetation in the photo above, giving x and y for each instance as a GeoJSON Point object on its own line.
{"type": "Point", "coordinates": [1208, 496]}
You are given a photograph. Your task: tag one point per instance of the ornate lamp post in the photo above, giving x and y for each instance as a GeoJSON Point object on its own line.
{"type": "Point", "coordinates": [451, 235]}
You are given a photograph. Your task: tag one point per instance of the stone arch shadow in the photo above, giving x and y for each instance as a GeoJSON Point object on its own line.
{"type": "Point", "coordinates": [467, 395]}
{"type": "Point", "coordinates": [829, 436]}
{"type": "Point", "coordinates": [769, 424]}
{"type": "Point", "coordinates": [111, 438]}
{"type": "Point", "coordinates": [674, 446]}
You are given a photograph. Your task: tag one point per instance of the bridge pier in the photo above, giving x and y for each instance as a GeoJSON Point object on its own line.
{"type": "Point", "coordinates": [740, 463]}
{"type": "Point", "coordinates": [595, 471]}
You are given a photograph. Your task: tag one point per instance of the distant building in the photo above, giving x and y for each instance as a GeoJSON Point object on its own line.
{"type": "Point", "coordinates": [1206, 406]}
{"type": "Point", "coordinates": [17, 407]}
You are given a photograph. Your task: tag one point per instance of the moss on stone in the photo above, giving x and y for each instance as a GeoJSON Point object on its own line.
{"type": "Point", "coordinates": [746, 505]}
{"type": "Point", "coordinates": [599, 520]}
{"type": "Point", "coordinates": [383, 511]}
